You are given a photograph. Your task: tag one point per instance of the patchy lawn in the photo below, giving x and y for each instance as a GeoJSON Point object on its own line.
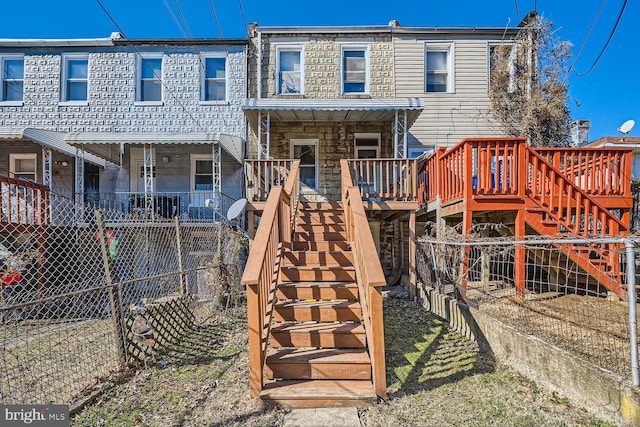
{"type": "Point", "coordinates": [435, 377]}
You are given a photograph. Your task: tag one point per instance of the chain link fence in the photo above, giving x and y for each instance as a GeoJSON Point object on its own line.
{"type": "Point", "coordinates": [88, 293]}
{"type": "Point", "coordinates": [562, 299]}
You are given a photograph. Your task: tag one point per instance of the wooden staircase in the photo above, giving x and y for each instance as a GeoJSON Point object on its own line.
{"type": "Point", "coordinates": [318, 353]}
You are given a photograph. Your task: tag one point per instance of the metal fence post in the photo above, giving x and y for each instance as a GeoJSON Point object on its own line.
{"type": "Point", "coordinates": [633, 315]}
{"type": "Point", "coordinates": [183, 282]}
{"type": "Point", "coordinates": [115, 299]}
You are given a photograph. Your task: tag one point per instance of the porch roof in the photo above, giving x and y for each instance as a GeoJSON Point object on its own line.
{"type": "Point", "coordinates": [109, 145]}
{"type": "Point", "coordinates": [332, 110]}
{"type": "Point", "coordinates": [46, 138]}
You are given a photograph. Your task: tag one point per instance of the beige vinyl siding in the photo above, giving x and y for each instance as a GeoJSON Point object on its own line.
{"type": "Point", "coordinates": [447, 117]}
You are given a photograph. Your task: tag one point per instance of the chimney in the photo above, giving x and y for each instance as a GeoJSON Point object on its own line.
{"type": "Point", "coordinates": [580, 133]}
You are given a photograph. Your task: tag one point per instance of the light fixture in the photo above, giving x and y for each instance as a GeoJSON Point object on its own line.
{"type": "Point", "coordinates": [165, 159]}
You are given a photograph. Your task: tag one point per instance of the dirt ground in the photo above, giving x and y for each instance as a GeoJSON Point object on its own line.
{"type": "Point", "coordinates": [435, 377]}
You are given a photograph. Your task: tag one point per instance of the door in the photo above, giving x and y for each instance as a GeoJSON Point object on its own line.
{"type": "Point", "coordinates": [137, 170]}
{"type": "Point", "coordinates": [367, 146]}
{"type": "Point", "coordinates": [306, 150]}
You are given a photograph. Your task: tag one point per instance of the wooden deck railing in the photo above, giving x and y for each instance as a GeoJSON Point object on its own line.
{"type": "Point", "coordinates": [261, 273]}
{"type": "Point", "coordinates": [385, 179]}
{"type": "Point", "coordinates": [369, 276]}
{"type": "Point", "coordinates": [597, 171]}
{"type": "Point", "coordinates": [262, 175]}
{"type": "Point", "coordinates": [23, 202]}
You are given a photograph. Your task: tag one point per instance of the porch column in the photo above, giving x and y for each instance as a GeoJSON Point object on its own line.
{"type": "Point", "coordinates": [264, 135]}
{"type": "Point", "coordinates": [79, 183]}
{"type": "Point", "coordinates": [46, 167]}
{"type": "Point", "coordinates": [216, 156]}
{"type": "Point", "coordinates": [400, 127]}
{"type": "Point", "coordinates": [412, 255]}
{"type": "Point", "coordinates": [148, 179]}
{"type": "Point", "coordinates": [521, 254]}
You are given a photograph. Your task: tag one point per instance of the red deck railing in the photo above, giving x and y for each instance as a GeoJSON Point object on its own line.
{"type": "Point", "coordinates": [23, 202]}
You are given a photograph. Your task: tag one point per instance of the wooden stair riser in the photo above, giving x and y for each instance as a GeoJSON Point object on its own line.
{"type": "Point", "coordinates": [320, 207]}
{"type": "Point", "coordinates": [320, 228]}
{"type": "Point", "coordinates": [296, 274]}
{"type": "Point", "coordinates": [319, 394]}
{"type": "Point", "coordinates": [317, 291]}
{"type": "Point", "coordinates": [343, 364]}
{"type": "Point", "coordinates": [329, 236]}
{"type": "Point", "coordinates": [328, 218]}
{"type": "Point", "coordinates": [319, 258]}
{"type": "Point", "coordinates": [318, 338]}
{"type": "Point", "coordinates": [323, 312]}
{"type": "Point", "coordinates": [320, 246]}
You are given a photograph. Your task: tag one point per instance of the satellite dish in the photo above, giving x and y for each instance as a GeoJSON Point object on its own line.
{"type": "Point", "coordinates": [626, 127]}
{"type": "Point", "coordinates": [236, 209]}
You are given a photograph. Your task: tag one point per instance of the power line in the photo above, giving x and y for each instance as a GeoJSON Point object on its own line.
{"type": "Point", "coordinates": [186, 25]}
{"type": "Point", "coordinates": [517, 10]}
{"type": "Point", "coordinates": [584, 41]}
{"type": "Point", "coordinates": [624, 5]}
{"type": "Point", "coordinates": [175, 18]}
{"type": "Point", "coordinates": [215, 17]}
{"type": "Point", "coordinates": [244, 18]}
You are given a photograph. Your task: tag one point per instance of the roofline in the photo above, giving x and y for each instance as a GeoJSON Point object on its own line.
{"type": "Point", "coordinates": [56, 42]}
{"type": "Point", "coordinates": [183, 42]}
{"type": "Point", "coordinates": [362, 29]}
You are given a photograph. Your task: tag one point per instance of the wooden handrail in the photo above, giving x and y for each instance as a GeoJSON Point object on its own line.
{"type": "Point", "coordinates": [261, 272]}
{"type": "Point", "coordinates": [369, 276]}
{"type": "Point", "coordinates": [597, 171]}
{"type": "Point", "coordinates": [23, 202]}
{"type": "Point", "coordinates": [385, 179]}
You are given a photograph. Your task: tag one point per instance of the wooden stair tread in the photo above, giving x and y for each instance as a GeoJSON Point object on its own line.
{"type": "Point", "coordinates": [319, 328]}
{"type": "Point", "coordinates": [319, 267]}
{"type": "Point", "coordinates": [290, 392]}
{"type": "Point", "coordinates": [318, 304]}
{"type": "Point", "coordinates": [318, 290]}
{"type": "Point", "coordinates": [320, 245]}
{"type": "Point", "coordinates": [314, 355]}
{"type": "Point", "coordinates": [333, 284]}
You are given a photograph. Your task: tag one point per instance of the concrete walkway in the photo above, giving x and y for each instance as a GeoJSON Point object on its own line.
{"type": "Point", "coordinates": [322, 417]}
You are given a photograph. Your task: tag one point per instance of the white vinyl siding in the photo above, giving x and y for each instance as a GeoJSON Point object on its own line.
{"type": "Point", "coordinates": [448, 117]}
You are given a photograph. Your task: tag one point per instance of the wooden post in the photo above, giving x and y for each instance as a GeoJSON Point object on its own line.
{"type": "Point", "coordinates": [183, 281]}
{"type": "Point", "coordinates": [254, 321]}
{"type": "Point", "coordinates": [467, 221]}
{"type": "Point", "coordinates": [251, 226]}
{"type": "Point", "coordinates": [520, 258]}
{"type": "Point", "coordinates": [115, 299]}
{"type": "Point", "coordinates": [412, 255]}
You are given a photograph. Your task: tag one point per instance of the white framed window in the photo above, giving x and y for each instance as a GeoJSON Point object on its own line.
{"type": "Point", "coordinates": [307, 151]}
{"type": "Point", "coordinates": [498, 52]}
{"type": "Point", "coordinates": [149, 87]}
{"type": "Point", "coordinates": [201, 172]}
{"type": "Point", "coordinates": [355, 69]}
{"type": "Point", "coordinates": [438, 67]}
{"type": "Point", "coordinates": [23, 166]}
{"type": "Point", "coordinates": [12, 79]}
{"type": "Point", "coordinates": [289, 70]}
{"type": "Point", "coordinates": [214, 79]}
{"type": "Point", "coordinates": [367, 145]}
{"type": "Point", "coordinates": [75, 78]}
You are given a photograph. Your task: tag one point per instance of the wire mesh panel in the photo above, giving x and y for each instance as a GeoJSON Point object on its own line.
{"type": "Point", "coordinates": [85, 292]}
{"type": "Point", "coordinates": [562, 298]}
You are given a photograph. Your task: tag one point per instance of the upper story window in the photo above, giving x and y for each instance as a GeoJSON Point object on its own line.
{"type": "Point", "coordinates": [23, 166]}
{"type": "Point", "coordinates": [438, 60]}
{"type": "Point", "coordinates": [355, 70]}
{"type": "Point", "coordinates": [75, 78]}
{"type": "Point", "coordinates": [290, 70]}
{"type": "Point", "coordinates": [502, 66]}
{"type": "Point", "coordinates": [214, 82]}
{"type": "Point", "coordinates": [12, 75]}
{"type": "Point", "coordinates": [149, 79]}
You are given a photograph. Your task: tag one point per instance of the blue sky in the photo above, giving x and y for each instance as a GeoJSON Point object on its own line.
{"type": "Point", "coordinates": [608, 96]}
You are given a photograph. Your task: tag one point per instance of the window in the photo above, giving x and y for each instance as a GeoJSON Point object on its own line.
{"type": "Point", "coordinates": [75, 78]}
{"type": "Point", "coordinates": [150, 84]}
{"type": "Point", "coordinates": [201, 173]}
{"type": "Point", "coordinates": [355, 75]}
{"type": "Point", "coordinates": [307, 151]}
{"type": "Point", "coordinates": [438, 67]}
{"type": "Point", "coordinates": [215, 77]}
{"type": "Point", "coordinates": [290, 78]}
{"type": "Point", "coordinates": [23, 166]}
{"type": "Point", "coordinates": [12, 89]}
{"type": "Point", "coordinates": [502, 65]}
{"type": "Point", "coordinates": [367, 145]}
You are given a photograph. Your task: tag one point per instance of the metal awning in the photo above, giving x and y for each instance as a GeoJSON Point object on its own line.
{"type": "Point", "coordinates": [332, 110]}
{"type": "Point", "coordinates": [110, 145]}
{"type": "Point", "coordinates": [46, 138]}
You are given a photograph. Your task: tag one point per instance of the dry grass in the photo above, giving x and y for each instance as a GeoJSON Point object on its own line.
{"type": "Point", "coordinates": [435, 377]}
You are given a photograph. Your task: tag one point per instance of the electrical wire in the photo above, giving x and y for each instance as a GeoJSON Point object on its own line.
{"type": "Point", "coordinates": [584, 41]}
{"type": "Point", "coordinates": [244, 18]}
{"type": "Point", "coordinates": [622, 9]}
{"type": "Point", "coordinates": [517, 10]}
{"type": "Point", "coordinates": [215, 17]}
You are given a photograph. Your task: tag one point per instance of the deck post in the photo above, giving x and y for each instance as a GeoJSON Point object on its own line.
{"type": "Point", "coordinates": [251, 226]}
{"type": "Point", "coordinates": [520, 257]}
{"type": "Point", "coordinates": [412, 255]}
